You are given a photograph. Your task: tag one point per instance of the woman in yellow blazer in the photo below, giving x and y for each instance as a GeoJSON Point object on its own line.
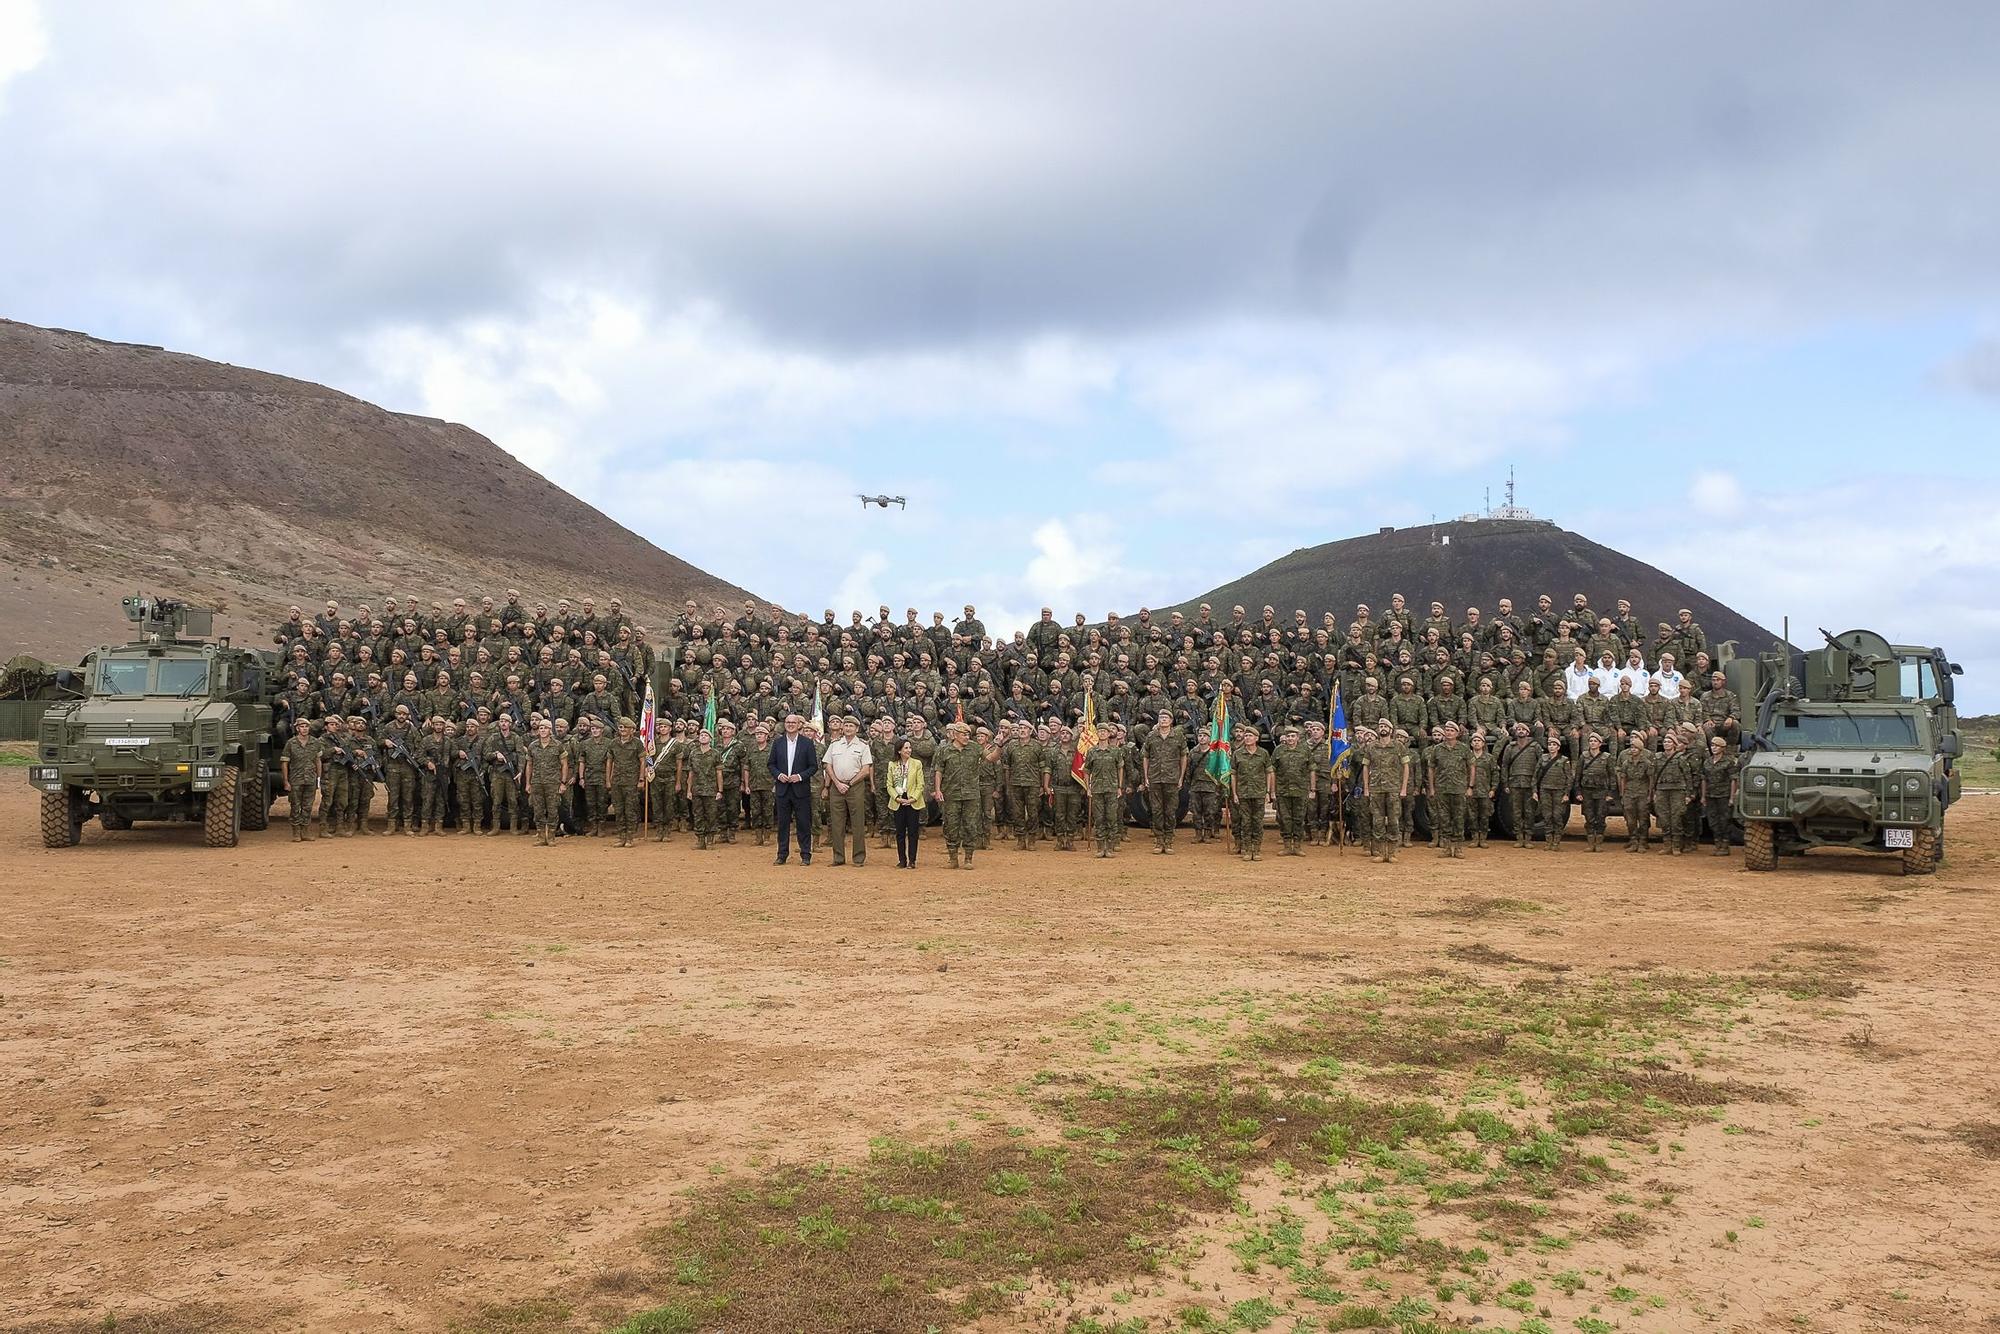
{"type": "Point", "coordinates": [906, 802]}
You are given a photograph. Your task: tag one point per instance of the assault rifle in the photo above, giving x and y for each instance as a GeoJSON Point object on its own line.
{"type": "Point", "coordinates": [398, 751]}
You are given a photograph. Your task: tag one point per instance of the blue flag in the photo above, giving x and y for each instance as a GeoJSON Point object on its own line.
{"type": "Point", "coordinates": [1336, 733]}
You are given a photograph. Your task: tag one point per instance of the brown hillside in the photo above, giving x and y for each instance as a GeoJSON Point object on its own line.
{"type": "Point", "coordinates": [127, 468]}
{"type": "Point", "coordinates": [1473, 563]}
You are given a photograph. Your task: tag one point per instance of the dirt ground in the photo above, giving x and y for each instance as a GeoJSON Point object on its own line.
{"type": "Point", "coordinates": [377, 1084]}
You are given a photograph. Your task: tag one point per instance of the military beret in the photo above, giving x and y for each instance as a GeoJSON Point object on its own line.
{"type": "Point", "coordinates": [624, 721]}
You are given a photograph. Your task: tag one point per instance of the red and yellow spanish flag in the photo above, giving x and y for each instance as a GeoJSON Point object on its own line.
{"type": "Point", "coordinates": [1086, 737]}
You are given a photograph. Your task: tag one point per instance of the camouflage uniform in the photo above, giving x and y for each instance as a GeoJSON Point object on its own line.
{"type": "Point", "coordinates": [399, 755]}
{"type": "Point", "coordinates": [1637, 768]}
{"type": "Point", "coordinates": [591, 751]}
{"type": "Point", "coordinates": [957, 769]}
{"type": "Point", "coordinates": [1519, 763]}
{"type": "Point", "coordinates": [1251, 781]}
{"type": "Point", "coordinates": [1554, 779]}
{"type": "Point", "coordinates": [1718, 780]}
{"type": "Point", "coordinates": [1025, 767]}
{"type": "Point", "coordinates": [1163, 756]}
{"type": "Point", "coordinates": [1596, 778]}
{"type": "Point", "coordinates": [1067, 798]}
{"type": "Point", "coordinates": [1450, 766]}
{"type": "Point", "coordinates": [501, 753]}
{"type": "Point", "coordinates": [466, 774]}
{"type": "Point", "coordinates": [763, 791]}
{"type": "Point", "coordinates": [301, 762]}
{"type": "Point", "coordinates": [626, 756]}
{"type": "Point", "coordinates": [1293, 764]}
{"type": "Point", "coordinates": [1104, 774]}
{"type": "Point", "coordinates": [545, 766]}
{"type": "Point", "coordinates": [704, 771]}
{"type": "Point", "coordinates": [434, 756]}
{"type": "Point", "coordinates": [1673, 786]}
{"type": "Point", "coordinates": [1479, 808]}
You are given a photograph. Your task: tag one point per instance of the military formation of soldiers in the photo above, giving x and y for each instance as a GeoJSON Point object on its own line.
{"type": "Point", "coordinates": [516, 718]}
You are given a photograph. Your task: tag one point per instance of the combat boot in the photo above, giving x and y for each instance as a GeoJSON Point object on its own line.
{"type": "Point", "coordinates": [541, 838]}
{"type": "Point", "coordinates": [951, 858]}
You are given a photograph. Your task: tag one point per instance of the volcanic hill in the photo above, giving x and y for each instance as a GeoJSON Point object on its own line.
{"type": "Point", "coordinates": [127, 469]}
{"type": "Point", "coordinates": [1472, 563]}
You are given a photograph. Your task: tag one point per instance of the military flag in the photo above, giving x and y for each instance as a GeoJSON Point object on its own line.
{"type": "Point", "coordinates": [1218, 762]}
{"type": "Point", "coordinates": [1336, 733]}
{"type": "Point", "coordinates": [708, 714]}
{"type": "Point", "coordinates": [819, 713]}
{"type": "Point", "coordinates": [1086, 737]}
{"type": "Point", "coordinates": [647, 716]}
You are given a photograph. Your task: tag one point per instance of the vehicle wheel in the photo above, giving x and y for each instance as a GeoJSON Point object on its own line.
{"type": "Point", "coordinates": [1921, 857]}
{"type": "Point", "coordinates": [223, 815]}
{"type": "Point", "coordinates": [1760, 846]}
{"type": "Point", "coordinates": [256, 790]}
{"type": "Point", "coordinates": [62, 819]}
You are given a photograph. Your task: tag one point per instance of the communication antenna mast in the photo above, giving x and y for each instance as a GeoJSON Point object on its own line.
{"type": "Point", "coordinates": [1510, 486]}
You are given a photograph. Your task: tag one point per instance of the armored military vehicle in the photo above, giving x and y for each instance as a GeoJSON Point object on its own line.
{"type": "Point", "coordinates": [170, 727]}
{"type": "Point", "coordinates": [1861, 754]}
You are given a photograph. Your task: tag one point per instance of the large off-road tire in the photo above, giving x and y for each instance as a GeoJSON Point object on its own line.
{"type": "Point", "coordinates": [222, 818]}
{"type": "Point", "coordinates": [1760, 845]}
{"type": "Point", "coordinates": [256, 790]}
{"type": "Point", "coordinates": [1921, 857]}
{"type": "Point", "coordinates": [62, 819]}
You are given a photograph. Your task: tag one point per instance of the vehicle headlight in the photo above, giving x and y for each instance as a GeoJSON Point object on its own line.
{"type": "Point", "coordinates": [43, 774]}
{"type": "Point", "coordinates": [1913, 784]}
{"type": "Point", "coordinates": [1760, 781]}
{"type": "Point", "coordinates": [204, 771]}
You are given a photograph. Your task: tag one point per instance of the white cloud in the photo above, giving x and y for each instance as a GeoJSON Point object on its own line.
{"type": "Point", "coordinates": [1716, 494]}
{"type": "Point", "coordinates": [24, 39]}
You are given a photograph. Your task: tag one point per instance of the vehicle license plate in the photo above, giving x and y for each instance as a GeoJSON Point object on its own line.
{"type": "Point", "coordinates": [125, 740]}
{"type": "Point", "coordinates": [1899, 838]}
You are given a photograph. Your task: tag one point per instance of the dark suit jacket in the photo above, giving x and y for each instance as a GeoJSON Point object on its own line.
{"type": "Point", "coordinates": [805, 764]}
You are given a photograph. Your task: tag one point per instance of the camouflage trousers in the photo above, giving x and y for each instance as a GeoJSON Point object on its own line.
{"type": "Point", "coordinates": [1521, 801]}
{"type": "Point", "coordinates": [1555, 813]}
{"type": "Point", "coordinates": [471, 799]}
{"type": "Point", "coordinates": [1292, 816]}
{"type": "Point", "coordinates": [301, 803]}
{"type": "Point", "coordinates": [596, 803]}
{"type": "Point", "coordinates": [1205, 805]}
{"type": "Point", "coordinates": [364, 797]}
{"type": "Point", "coordinates": [624, 808]}
{"type": "Point", "coordinates": [1250, 822]}
{"type": "Point", "coordinates": [1448, 818]}
{"type": "Point", "coordinates": [707, 814]}
{"type": "Point", "coordinates": [402, 785]}
{"type": "Point", "coordinates": [1163, 805]}
{"type": "Point", "coordinates": [1594, 813]}
{"type": "Point", "coordinates": [1638, 807]}
{"type": "Point", "coordinates": [336, 798]}
{"type": "Point", "coordinates": [1024, 812]}
{"type": "Point", "coordinates": [1385, 816]}
{"type": "Point", "coordinates": [1478, 817]}
{"type": "Point", "coordinates": [1068, 808]}
{"type": "Point", "coordinates": [430, 798]}
{"type": "Point", "coordinates": [763, 817]}
{"type": "Point", "coordinates": [543, 798]}
{"type": "Point", "coordinates": [1105, 811]}
{"type": "Point", "coordinates": [989, 805]}
{"type": "Point", "coordinates": [1673, 807]}
{"type": "Point", "coordinates": [962, 827]}
{"type": "Point", "coordinates": [506, 798]}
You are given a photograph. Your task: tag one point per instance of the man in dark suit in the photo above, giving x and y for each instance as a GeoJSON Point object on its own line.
{"type": "Point", "coordinates": [794, 761]}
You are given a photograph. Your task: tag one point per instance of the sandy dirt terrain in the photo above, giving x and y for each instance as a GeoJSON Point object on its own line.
{"type": "Point", "coordinates": [384, 1083]}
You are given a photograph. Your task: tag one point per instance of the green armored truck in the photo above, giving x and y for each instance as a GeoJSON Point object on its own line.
{"type": "Point", "coordinates": [170, 727]}
{"type": "Point", "coordinates": [1860, 755]}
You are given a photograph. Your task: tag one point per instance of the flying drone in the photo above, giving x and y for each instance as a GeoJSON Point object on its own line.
{"type": "Point", "coordinates": [881, 502]}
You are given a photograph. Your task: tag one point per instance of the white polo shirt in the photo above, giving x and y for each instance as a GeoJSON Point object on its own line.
{"type": "Point", "coordinates": [846, 758]}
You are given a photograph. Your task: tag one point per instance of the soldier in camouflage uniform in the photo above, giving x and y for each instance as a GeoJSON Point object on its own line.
{"type": "Point", "coordinates": [1449, 775]}
{"type": "Point", "coordinates": [1068, 796]}
{"type": "Point", "coordinates": [1636, 770]}
{"type": "Point", "coordinates": [467, 771]}
{"type": "Point", "coordinates": [1295, 779]}
{"type": "Point", "coordinates": [1026, 767]}
{"type": "Point", "coordinates": [546, 774]}
{"type": "Point", "coordinates": [591, 748]}
{"type": "Point", "coordinates": [762, 787]}
{"type": "Point", "coordinates": [1718, 792]}
{"type": "Point", "coordinates": [399, 754]}
{"type": "Point", "coordinates": [1251, 786]}
{"type": "Point", "coordinates": [1672, 788]}
{"type": "Point", "coordinates": [1163, 760]}
{"type": "Point", "coordinates": [299, 769]}
{"type": "Point", "coordinates": [361, 746]}
{"type": "Point", "coordinates": [990, 808]}
{"type": "Point", "coordinates": [625, 774]}
{"type": "Point", "coordinates": [1554, 781]}
{"type": "Point", "coordinates": [703, 784]}
{"type": "Point", "coordinates": [501, 758]}
{"type": "Point", "coordinates": [1596, 777]}
{"type": "Point", "coordinates": [336, 796]}
{"type": "Point", "coordinates": [433, 775]}
{"type": "Point", "coordinates": [1485, 782]}
{"type": "Point", "coordinates": [1519, 761]}
{"type": "Point", "coordinates": [729, 758]}
{"type": "Point", "coordinates": [1104, 776]}
{"type": "Point", "coordinates": [1204, 798]}
{"type": "Point", "coordinates": [955, 784]}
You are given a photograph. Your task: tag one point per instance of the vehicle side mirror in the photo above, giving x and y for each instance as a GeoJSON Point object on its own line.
{"type": "Point", "coordinates": [1949, 745]}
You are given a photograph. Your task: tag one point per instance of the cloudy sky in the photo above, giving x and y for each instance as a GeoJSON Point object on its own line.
{"type": "Point", "coordinates": [1126, 298]}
